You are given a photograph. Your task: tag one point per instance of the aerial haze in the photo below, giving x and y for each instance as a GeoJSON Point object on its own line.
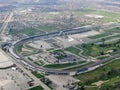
{"type": "Point", "coordinates": [59, 44]}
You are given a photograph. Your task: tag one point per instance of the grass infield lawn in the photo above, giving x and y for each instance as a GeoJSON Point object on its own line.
{"type": "Point", "coordinates": [19, 48]}
{"type": "Point", "coordinates": [90, 50]}
{"type": "Point", "coordinates": [73, 50]}
{"type": "Point", "coordinates": [57, 66]}
{"type": "Point", "coordinates": [36, 88]}
{"type": "Point", "coordinates": [37, 74]}
{"type": "Point", "coordinates": [95, 50]}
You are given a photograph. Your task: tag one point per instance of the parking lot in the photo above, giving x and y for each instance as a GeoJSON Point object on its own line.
{"type": "Point", "coordinates": [13, 79]}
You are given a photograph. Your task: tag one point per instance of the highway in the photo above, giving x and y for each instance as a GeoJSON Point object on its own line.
{"type": "Point", "coordinates": [36, 80]}
{"type": "Point", "coordinates": [2, 30]}
{"type": "Point", "coordinates": [21, 59]}
{"type": "Point", "coordinates": [4, 26]}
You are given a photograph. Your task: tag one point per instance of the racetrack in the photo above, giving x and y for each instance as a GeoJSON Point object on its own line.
{"type": "Point", "coordinates": [13, 51]}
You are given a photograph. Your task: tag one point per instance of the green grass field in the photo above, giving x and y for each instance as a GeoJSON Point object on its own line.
{"type": "Point", "coordinates": [27, 31]}
{"type": "Point", "coordinates": [81, 66]}
{"type": "Point", "coordinates": [30, 59]}
{"type": "Point", "coordinates": [113, 80]}
{"type": "Point", "coordinates": [28, 53]}
{"type": "Point", "coordinates": [91, 88]}
{"type": "Point", "coordinates": [93, 76]}
{"type": "Point", "coordinates": [59, 50]}
{"type": "Point", "coordinates": [50, 49]}
{"type": "Point", "coordinates": [37, 63]}
{"type": "Point", "coordinates": [36, 88]}
{"type": "Point", "coordinates": [113, 30]}
{"type": "Point", "coordinates": [84, 11]}
{"type": "Point", "coordinates": [108, 16]}
{"type": "Point", "coordinates": [90, 50]}
{"type": "Point", "coordinates": [102, 57]}
{"type": "Point", "coordinates": [19, 48]}
{"type": "Point", "coordinates": [33, 31]}
{"type": "Point", "coordinates": [37, 74]}
{"type": "Point", "coordinates": [100, 35]}
{"type": "Point", "coordinates": [111, 84]}
{"type": "Point", "coordinates": [95, 50]}
{"type": "Point", "coordinates": [57, 66]}
{"type": "Point", "coordinates": [73, 50]}
{"type": "Point", "coordinates": [48, 28]}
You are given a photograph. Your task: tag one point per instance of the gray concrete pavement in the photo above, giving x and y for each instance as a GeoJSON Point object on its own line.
{"type": "Point", "coordinates": [38, 82]}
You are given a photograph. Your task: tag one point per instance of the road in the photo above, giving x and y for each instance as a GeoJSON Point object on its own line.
{"type": "Point", "coordinates": [2, 30]}
{"type": "Point", "coordinates": [37, 81]}
{"type": "Point", "coordinates": [32, 76]}
{"type": "Point", "coordinates": [5, 24]}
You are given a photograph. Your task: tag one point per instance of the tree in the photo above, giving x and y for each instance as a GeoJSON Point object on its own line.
{"type": "Point", "coordinates": [103, 40]}
{"type": "Point", "coordinates": [82, 88]}
{"type": "Point", "coordinates": [117, 27]}
{"type": "Point", "coordinates": [92, 44]}
{"type": "Point", "coordinates": [107, 87]}
{"type": "Point", "coordinates": [117, 85]}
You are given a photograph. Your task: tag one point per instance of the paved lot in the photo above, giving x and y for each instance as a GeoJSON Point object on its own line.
{"type": "Point", "coordinates": [13, 80]}
{"type": "Point", "coordinates": [48, 58]}
{"type": "Point", "coordinates": [4, 61]}
{"type": "Point", "coordinates": [85, 34]}
{"type": "Point", "coordinates": [66, 42]}
{"type": "Point", "coordinates": [61, 81]}
{"type": "Point", "coordinates": [37, 44]}
{"type": "Point", "coordinates": [70, 59]}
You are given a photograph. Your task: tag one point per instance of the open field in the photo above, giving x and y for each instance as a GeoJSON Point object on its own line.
{"type": "Point", "coordinates": [27, 31]}
{"type": "Point", "coordinates": [100, 35]}
{"type": "Point", "coordinates": [27, 50]}
{"type": "Point", "coordinates": [111, 84]}
{"type": "Point", "coordinates": [78, 67]}
{"type": "Point", "coordinates": [107, 16]}
{"type": "Point", "coordinates": [90, 50]}
{"type": "Point", "coordinates": [102, 57]}
{"type": "Point", "coordinates": [19, 48]}
{"type": "Point", "coordinates": [33, 31]}
{"type": "Point", "coordinates": [101, 73]}
{"type": "Point", "coordinates": [108, 34]}
{"type": "Point", "coordinates": [37, 74]}
{"type": "Point", "coordinates": [57, 66]}
{"type": "Point", "coordinates": [95, 50]}
{"type": "Point", "coordinates": [73, 50]}
{"type": "Point", "coordinates": [112, 81]}
{"type": "Point", "coordinates": [114, 30]}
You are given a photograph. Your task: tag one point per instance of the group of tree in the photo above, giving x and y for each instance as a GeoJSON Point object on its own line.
{"type": "Point", "coordinates": [103, 76]}
{"type": "Point", "coordinates": [115, 86]}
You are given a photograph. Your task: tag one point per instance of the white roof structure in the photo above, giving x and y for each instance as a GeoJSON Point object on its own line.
{"type": "Point", "coordinates": [5, 61]}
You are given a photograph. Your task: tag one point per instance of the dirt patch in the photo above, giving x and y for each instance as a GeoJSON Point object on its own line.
{"type": "Point", "coordinates": [99, 83]}
{"type": "Point", "coordinates": [26, 50]}
{"type": "Point", "coordinates": [94, 16]}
